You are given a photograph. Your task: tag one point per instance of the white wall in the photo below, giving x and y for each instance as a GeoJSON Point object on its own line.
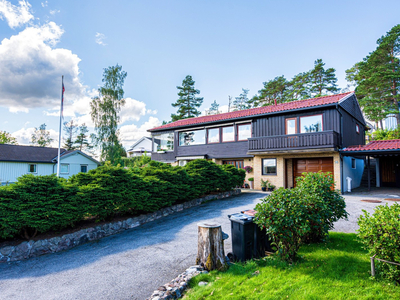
{"type": "Point", "coordinates": [10, 171]}
{"type": "Point", "coordinates": [75, 161]}
{"type": "Point", "coordinates": [354, 174]}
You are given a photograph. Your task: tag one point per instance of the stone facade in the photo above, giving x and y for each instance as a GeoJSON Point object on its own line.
{"type": "Point", "coordinates": [31, 248]}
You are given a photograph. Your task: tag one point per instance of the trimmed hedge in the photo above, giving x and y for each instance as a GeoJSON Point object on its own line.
{"type": "Point", "coordinates": [36, 204]}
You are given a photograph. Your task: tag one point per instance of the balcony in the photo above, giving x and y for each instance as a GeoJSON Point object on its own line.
{"type": "Point", "coordinates": [313, 140]}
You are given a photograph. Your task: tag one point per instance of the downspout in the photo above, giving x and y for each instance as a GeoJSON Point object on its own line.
{"type": "Point", "coordinates": [341, 146]}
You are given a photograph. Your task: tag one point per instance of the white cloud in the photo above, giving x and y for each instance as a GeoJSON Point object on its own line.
{"type": "Point", "coordinates": [44, 4]}
{"type": "Point", "coordinates": [132, 110]}
{"type": "Point", "coordinates": [24, 136]}
{"type": "Point", "coordinates": [15, 15]}
{"type": "Point", "coordinates": [131, 133]}
{"type": "Point", "coordinates": [31, 69]}
{"type": "Point", "coordinates": [16, 109]}
{"type": "Point", "coordinates": [151, 111]}
{"type": "Point", "coordinates": [99, 39]}
{"type": "Point", "coordinates": [53, 12]}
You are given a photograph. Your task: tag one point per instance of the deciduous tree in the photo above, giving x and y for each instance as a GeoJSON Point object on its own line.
{"type": "Point", "coordinates": [7, 138]}
{"type": "Point", "coordinates": [41, 136]}
{"type": "Point", "coordinates": [105, 111]}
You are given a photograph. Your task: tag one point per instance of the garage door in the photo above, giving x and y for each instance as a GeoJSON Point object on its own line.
{"type": "Point", "coordinates": [324, 164]}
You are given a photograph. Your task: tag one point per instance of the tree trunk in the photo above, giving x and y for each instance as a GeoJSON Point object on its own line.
{"type": "Point", "coordinates": [210, 247]}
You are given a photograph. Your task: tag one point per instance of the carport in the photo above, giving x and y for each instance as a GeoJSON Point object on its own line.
{"type": "Point", "coordinates": [387, 155]}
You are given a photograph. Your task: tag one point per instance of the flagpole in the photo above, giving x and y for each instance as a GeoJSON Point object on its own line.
{"type": "Point", "coordinates": [59, 131]}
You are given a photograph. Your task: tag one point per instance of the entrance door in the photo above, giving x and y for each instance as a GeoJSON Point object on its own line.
{"type": "Point", "coordinates": [301, 165]}
{"type": "Point", "coordinates": [390, 171]}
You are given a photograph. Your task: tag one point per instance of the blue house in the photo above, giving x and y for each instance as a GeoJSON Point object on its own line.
{"type": "Point", "coordinates": [16, 161]}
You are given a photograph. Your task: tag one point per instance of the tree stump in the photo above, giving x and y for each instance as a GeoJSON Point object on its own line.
{"type": "Point", "coordinates": [210, 247]}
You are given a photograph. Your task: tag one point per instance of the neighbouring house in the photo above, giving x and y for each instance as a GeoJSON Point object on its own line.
{"type": "Point", "coordinates": [387, 161]}
{"type": "Point", "coordinates": [16, 160]}
{"type": "Point", "coordinates": [140, 147]}
{"type": "Point", "coordinates": [279, 142]}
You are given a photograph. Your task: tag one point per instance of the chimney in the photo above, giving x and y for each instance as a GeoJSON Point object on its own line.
{"type": "Point", "coordinates": [275, 101]}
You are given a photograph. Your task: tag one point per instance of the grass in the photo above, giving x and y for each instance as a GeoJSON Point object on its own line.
{"type": "Point", "coordinates": [337, 269]}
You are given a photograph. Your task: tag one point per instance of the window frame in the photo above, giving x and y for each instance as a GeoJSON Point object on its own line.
{"type": "Point", "coordinates": [61, 168]}
{"type": "Point", "coordinates": [237, 130]}
{"type": "Point", "coordinates": [237, 163]}
{"type": "Point", "coordinates": [201, 129]}
{"type": "Point", "coordinates": [222, 134]}
{"type": "Point", "coordinates": [322, 122]}
{"type": "Point", "coordinates": [295, 125]}
{"type": "Point", "coordinates": [219, 135]}
{"type": "Point", "coordinates": [262, 167]}
{"type": "Point", "coordinates": [35, 168]}
{"type": "Point", "coordinates": [158, 137]}
{"type": "Point", "coordinates": [87, 169]}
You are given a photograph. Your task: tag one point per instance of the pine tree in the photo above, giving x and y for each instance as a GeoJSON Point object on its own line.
{"type": "Point", "coordinates": [298, 87]}
{"type": "Point", "coordinates": [322, 81]}
{"type": "Point", "coordinates": [82, 142]}
{"type": "Point", "coordinates": [275, 89]}
{"type": "Point", "coordinates": [213, 109]}
{"type": "Point", "coordinates": [242, 102]}
{"type": "Point", "coordinates": [377, 78]}
{"type": "Point", "coordinates": [188, 102]}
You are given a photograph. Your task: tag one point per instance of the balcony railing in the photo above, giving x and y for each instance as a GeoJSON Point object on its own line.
{"type": "Point", "coordinates": [323, 139]}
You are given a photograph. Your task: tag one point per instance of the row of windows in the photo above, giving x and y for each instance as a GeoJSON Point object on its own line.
{"type": "Point", "coordinates": [64, 168]}
{"type": "Point", "coordinates": [215, 135]}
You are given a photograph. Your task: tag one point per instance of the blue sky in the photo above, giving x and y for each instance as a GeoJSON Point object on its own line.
{"type": "Point", "coordinates": [224, 45]}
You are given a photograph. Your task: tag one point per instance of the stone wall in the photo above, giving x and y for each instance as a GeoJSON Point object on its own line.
{"type": "Point", "coordinates": [31, 248]}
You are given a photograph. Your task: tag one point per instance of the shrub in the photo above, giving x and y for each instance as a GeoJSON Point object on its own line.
{"type": "Point", "coordinates": [284, 216]}
{"type": "Point", "coordinates": [40, 204]}
{"type": "Point", "coordinates": [380, 234]}
{"type": "Point", "coordinates": [236, 176]}
{"type": "Point", "coordinates": [108, 190]}
{"type": "Point", "coordinates": [324, 204]}
{"type": "Point", "coordinates": [207, 176]}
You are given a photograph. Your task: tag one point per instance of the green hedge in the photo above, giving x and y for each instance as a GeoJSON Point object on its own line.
{"type": "Point", "coordinates": [36, 204]}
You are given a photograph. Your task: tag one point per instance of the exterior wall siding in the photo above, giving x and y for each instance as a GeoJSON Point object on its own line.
{"type": "Point", "coordinates": [350, 136]}
{"type": "Point", "coordinates": [10, 171]}
{"type": "Point", "coordinates": [354, 174]}
{"type": "Point", "coordinates": [275, 125]}
{"type": "Point", "coordinates": [75, 161]}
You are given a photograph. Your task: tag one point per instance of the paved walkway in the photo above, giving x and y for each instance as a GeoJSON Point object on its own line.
{"type": "Point", "coordinates": [132, 264]}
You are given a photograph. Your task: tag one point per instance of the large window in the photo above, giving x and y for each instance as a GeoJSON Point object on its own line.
{"type": "Point", "coordinates": [194, 137]}
{"type": "Point", "coordinates": [228, 134]}
{"type": "Point", "coordinates": [164, 142]}
{"type": "Point", "coordinates": [213, 135]}
{"type": "Point", "coordinates": [311, 124]}
{"type": "Point", "coordinates": [291, 126]}
{"type": "Point", "coordinates": [269, 166]}
{"type": "Point", "coordinates": [84, 168]}
{"type": "Point", "coordinates": [244, 132]}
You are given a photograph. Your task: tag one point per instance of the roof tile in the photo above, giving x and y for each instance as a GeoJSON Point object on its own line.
{"type": "Point", "coordinates": [376, 145]}
{"type": "Point", "coordinates": [255, 111]}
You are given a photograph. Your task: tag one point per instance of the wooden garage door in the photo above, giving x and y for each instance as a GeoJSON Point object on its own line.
{"type": "Point", "coordinates": [324, 164]}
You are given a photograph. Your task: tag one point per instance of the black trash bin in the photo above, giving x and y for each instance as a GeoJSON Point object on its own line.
{"type": "Point", "coordinates": [248, 241]}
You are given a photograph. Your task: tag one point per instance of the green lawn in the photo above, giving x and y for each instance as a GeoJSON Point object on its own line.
{"type": "Point", "coordinates": [338, 269]}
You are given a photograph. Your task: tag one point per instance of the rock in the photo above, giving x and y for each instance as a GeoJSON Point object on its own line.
{"type": "Point", "coordinates": [202, 283]}
{"type": "Point", "coordinates": [6, 251]}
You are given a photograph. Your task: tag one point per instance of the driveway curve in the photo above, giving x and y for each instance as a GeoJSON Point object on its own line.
{"type": "Point", "coordinates": [130, 265]}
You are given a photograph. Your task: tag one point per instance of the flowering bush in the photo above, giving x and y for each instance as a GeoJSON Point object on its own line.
{"type": "Point", "coordinates": [248, 169]}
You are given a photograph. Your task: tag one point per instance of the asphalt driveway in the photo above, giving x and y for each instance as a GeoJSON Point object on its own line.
{"type": "Point", "coordinates": [133, 264]}
{"type": "Point", "coordinates": [130, 265]}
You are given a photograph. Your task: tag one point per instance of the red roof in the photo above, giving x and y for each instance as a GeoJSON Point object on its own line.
{"type": "Point", "coordinates": [376, 145]}
{"type": "Point", "coordinates": [256, 111]}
